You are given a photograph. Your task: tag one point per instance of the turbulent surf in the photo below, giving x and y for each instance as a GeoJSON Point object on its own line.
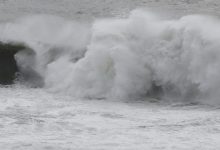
{"type": "Point", "coordinates": [142, 55]}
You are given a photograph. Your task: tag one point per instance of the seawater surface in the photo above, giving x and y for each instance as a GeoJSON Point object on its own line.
{"type": "Point", "coordinates": [104, 75]}
{"type": "Point", "coordinates": [35, 119]}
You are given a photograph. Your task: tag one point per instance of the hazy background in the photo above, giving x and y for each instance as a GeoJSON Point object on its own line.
{"type": "Point", "coordinates": [90, 9]}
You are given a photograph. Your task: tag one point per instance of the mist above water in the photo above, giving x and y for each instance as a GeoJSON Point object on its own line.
{"type": "Point", "coordinates": [142, 55]}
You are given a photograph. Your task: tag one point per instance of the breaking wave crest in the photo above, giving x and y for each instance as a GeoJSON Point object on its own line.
{"type": "Point", "coordinates": [135, 57]}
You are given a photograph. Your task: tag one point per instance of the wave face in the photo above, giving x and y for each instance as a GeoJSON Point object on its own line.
{"type": "Point", "coordinates": [135, 57]}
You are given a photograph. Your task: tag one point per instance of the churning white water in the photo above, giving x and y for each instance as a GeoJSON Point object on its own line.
{"type": "Point", "coordinates": [104, 83]}
{"type": "Point", "coordinates": [142, 55]}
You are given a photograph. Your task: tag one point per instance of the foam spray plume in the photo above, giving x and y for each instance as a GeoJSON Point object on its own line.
{"type": "Point", "coordinates": [130, 58]}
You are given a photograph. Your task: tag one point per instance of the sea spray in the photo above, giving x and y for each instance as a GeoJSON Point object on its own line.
{"type": "Point", "coordinates": [130, 58]}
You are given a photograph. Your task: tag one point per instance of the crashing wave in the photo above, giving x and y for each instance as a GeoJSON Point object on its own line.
{"type": "Point", "coordinates": [138, 56]}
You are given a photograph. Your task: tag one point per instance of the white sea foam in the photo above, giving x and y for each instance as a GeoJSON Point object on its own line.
{"type": "Point", "coordinates": [123, 58]}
